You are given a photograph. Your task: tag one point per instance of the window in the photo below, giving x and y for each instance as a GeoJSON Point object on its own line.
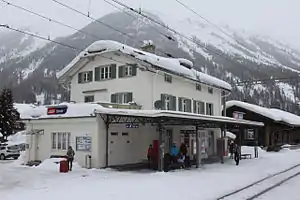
{"type": "Point", "coordinates": [184, 104]}
{"type": "Point", "coordinates": [114, 133]}
{"type": "Point", "coordinates": [198, 87]}
{"type": "Point", "coordinates": [54, 141]}
{"type": "Point", "coordinates": [127, 71]}
{"type": "Point", "coordinates": [121, 98]}
{"type": "Point", "coordinates": [60, 140]}
{"type": "Point", "coordinates": [85, 77]}
{"type": "Point", "coordinates": [168, 78]}
{"type": "Point", "coordinates": [168, 102]}
{"type": "Point", "coordinates": [209, 109]}
{"type": "Point", "coordinates": [89, 98]}
{"type": "Point", "coordinates": [125, 134]}
{"type": "Point", "coordinates": [105, 72]}
{"type": "Point", "coordinates": [199, 107]}
{"type": "Point", "coordinates": [59, 145]}
{"type": "Point", "coordinates": [210, 90]}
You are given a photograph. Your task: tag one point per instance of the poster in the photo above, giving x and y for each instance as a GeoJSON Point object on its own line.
{"type": "Point", "coordinates": [83, 143]}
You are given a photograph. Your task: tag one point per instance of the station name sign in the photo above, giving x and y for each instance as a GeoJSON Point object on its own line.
{"type": "Point", "coordinates": [57, 110]}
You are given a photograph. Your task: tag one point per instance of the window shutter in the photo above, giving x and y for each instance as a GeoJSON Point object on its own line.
{"type": "Point", "coordinates": [121, 71]}
{"type": "Point", "coordinates": [194, 106]}
{"type": "Point", "coordinates": [129, 97]}
{"type": "Point", "coordinates": [179, 104]}
{"type": "Point", "coordinates": [113, 69]}
{"type": "Point", "coordinates": [90, 76]}
{"type": "Point", "coordinates": [97, 74]}
{"type": "Point", "coordinates": [134, 69]}
{"type": "Point", "coordinates": [79, 77]}
{"type": "Point", "coordinates": [173, 103]}
{"type": "Point", "coordinates": [113, 98]}
{"type": "Point", "coordinates": [162, 98]}
{"type": "Point", "coordinates": [189, 105]}
{"type": "Point", "coordinates": [212, 109]}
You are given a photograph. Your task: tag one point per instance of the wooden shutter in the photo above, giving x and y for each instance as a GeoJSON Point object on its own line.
{"type": "Point", "coordinates": [173, 103]}
{"type": "Point", "coordinates": [162, 98]}
{"type": "Point", "coordinates": [179, 103]}
{"type": "Point", "coordinates": [134, 69]}
{"type": "Point", "coordinates": [121, 71]}
{"type": "Point", "coordinates": [194, 106]}
{"type": "Point", "coordinates": [113, 69]}
{"type": "Point", "coordinates": [189, 105]}
{"type": "Point", "coordinates": [79, 77]}
{"type": "Point", "coordinates": [113, 98]}
{"type": "Point", "coordinates": [129, 97]}
{"type": "Point", "coordinates": [97, 74]}
{"type": "Point", "coordinates": [90, 76]}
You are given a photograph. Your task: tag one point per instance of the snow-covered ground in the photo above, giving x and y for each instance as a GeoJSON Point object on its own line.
{"type": "Point", "coordinates": [210, 181]}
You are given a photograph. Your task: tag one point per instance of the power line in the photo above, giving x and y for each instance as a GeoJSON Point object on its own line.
{"type": "Point", "coordinates": [105, 24]}
{"type": "Point", "coordinates": [136, 17]}
{"type": "Point", "coordinates": [56, 42]}
{"type": "Point", "coordinates": [211, 23]}
{"type": "Point", "coordinates": [96, 20]}
{"type": "Point", "coordinates": [223, 55]}
{"type": "Point", "coordinates": [49, 19]}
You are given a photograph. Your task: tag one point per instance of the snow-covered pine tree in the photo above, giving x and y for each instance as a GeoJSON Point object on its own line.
{"type": "Point", "coordinates": [8, 115]}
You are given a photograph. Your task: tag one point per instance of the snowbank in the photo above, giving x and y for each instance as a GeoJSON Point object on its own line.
{"type": "Point", "coordinates": [17, 139]}
{"type": "Point", "coordinates": [250, 150]}
{"type": "Point", "coordinates": [52, 164]}
{"type": "Point", "coordinates": [271, 113]}
{"type": "Point", "coordinates": [179, 66]}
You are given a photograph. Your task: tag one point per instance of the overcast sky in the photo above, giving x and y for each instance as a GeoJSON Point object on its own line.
{"type": "Point", "coordinates": [275, 18]}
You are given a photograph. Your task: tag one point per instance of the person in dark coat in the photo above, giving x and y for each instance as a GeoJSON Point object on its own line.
{"type": "Point", "coordinates": [237, 154]}
{"type": "Point", "coordinates": [183, 149]}
{"type": "Point", "coordinates": [231, 148]}
{"type": "Point", "coordinates": [70, 156]}
{"type": "Point", "coordinates": [150, 154]}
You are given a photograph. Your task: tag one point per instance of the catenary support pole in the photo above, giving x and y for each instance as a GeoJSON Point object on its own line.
{"type": "Point", "coordinates": [106, 145]}
{"type": "Point", "coordinates": [197, 147]}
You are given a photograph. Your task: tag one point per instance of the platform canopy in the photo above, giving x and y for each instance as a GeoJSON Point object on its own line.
{"type": "Point", "coordinates": [165, 117]}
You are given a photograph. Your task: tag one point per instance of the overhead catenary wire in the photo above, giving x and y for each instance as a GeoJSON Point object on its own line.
{"type": "Point", "coordinates": [105, 24]}
{"type": "Point", "coordinates": [223, 55]}
{"type": "Point", "coordinates": [56, 42]}
{"type": "Point", "coordinates": [211, 23]}
{"type": "Point", "coordinates": [50, 19]}
{"type": "Point", "coordinates": [137, 17]}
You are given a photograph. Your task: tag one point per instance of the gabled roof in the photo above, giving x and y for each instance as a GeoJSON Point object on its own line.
{"type": "Point", "coordinates": [179, 66]}
{"type": "Point", "coordinates": [276, 115]}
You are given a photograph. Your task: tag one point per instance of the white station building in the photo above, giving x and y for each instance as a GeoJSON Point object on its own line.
{"type": "Point", "coordinates": [126, 99]}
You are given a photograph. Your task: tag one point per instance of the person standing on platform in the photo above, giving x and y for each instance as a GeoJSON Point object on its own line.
{"type": "Point", "coordinates": [174, 152]}
{"type": "Point", "coordinates": [237, 154]}
{"type": "Point", "coordinates": [231, 148]}
{"type": "Point", "coordinates": [70, 155]}
{"type": "Point", "coordinates": [150, 155]}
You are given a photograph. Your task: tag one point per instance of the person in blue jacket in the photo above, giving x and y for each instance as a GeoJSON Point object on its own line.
{"type": "Point", "coordinates": [174, 152]}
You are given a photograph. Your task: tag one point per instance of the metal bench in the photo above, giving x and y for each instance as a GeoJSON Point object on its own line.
{"type": "Point", "coordinates": [246, 155]}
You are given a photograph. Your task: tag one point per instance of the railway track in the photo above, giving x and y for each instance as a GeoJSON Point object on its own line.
{"type": "Point", "coordinates": [262, 186]}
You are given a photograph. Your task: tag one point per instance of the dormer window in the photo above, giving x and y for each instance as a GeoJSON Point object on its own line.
{"type": "Point", "coordinates": [127, 71]}
{"type": "Point", "coordinates": [210, 90]}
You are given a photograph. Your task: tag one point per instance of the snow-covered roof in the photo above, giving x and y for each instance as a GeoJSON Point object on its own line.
{"type": "Point", "coordinates": [73, 110]}
{"type": "Point", "coordinates": [90, 109]}
{"type": "Point", "coordinates": [180, 66]}
{"type": "Point", "coordinates": [271, 113]}
{"type": "Point", "coordinates": [230, 135]}
{"type": "Point", "coordinates": [23, 108]}
{"type": "Point", "coordinates": [17, 139]}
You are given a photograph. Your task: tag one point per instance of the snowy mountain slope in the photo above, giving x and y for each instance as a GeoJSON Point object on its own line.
{"type": "Point", "coordinates": [257, 58]}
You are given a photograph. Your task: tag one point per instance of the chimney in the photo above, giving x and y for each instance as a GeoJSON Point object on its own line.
{"type": "Point", "coordinates": [148, 46]}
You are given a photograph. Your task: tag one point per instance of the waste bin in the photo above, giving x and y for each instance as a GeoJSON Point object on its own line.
{"type": "Point", "coordinates": [63, 166]}
{"type": "Point", "coordinates": [88, 161]}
